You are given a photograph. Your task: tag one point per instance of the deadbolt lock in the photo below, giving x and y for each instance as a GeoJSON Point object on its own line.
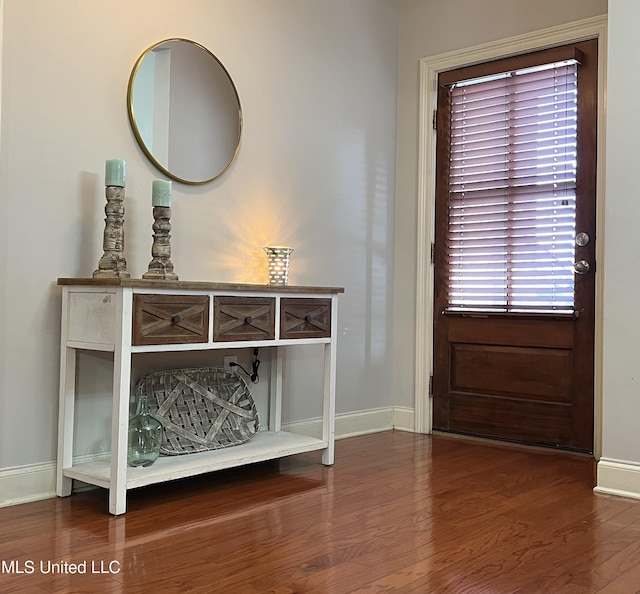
{"type": "Point", "coordinates": [582, 239]}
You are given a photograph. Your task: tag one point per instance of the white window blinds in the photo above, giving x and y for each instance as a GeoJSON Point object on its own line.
{"type": "Point", "coordinates": [512, 190]}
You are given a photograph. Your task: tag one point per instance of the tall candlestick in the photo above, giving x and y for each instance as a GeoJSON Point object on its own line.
{"type": "Point", "coordinates": [161, 267]}
{"type": "Point", "coordinates": [115, 173]}
{"type": "Point", "coordinates": [113, 263]}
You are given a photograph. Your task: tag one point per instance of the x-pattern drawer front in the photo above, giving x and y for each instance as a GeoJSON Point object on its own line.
{"type": "Point", "coordinates": [305, 318]}
{"type": "Point", "coordinates": [243, 318]}
{"type": "Point", "coordinates": [170, 319]}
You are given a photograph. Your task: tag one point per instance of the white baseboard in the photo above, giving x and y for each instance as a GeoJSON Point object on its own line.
{"type": "Point", "coordinates": [347, 424]}
{"type": "Point", "coordinates": [616, 477]}
{"type": "Point", "coordinates": [403, 419]}
{"type": "Point", "coordinates": [24, 484]}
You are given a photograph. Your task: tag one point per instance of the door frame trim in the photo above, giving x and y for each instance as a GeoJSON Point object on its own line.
{"type": "Point", "coordinates": [430, 67]}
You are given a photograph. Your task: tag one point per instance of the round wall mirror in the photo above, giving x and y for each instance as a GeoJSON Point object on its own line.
{"type": "Point", "coordinates": [184, 111]}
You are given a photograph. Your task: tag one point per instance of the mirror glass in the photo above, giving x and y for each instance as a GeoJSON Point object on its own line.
{"type": "Point", "coordinates": [184, 111]}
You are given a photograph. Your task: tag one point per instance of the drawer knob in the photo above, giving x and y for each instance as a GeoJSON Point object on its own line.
{"type": "Point", "coordinates": [176, 319]}
{"type": "Point", "coordinates": [248, 320]}
{"type": "Point", "coordinates": [307, 318]}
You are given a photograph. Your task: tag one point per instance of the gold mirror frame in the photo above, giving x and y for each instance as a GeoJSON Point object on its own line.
{"type": "Point", "coordinates": [231, 91]}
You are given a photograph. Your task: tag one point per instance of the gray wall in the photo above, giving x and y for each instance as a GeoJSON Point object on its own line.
{"type": "Point", "coordinates": [316, 170]}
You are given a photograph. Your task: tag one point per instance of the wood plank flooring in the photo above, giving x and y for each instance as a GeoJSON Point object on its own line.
{"type": "Point", "coordinates": [396, 513]}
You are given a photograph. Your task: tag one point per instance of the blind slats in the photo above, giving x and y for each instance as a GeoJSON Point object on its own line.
{"type": "Point", "coordinates": [541, 78]}
{"type": "Point", "coordinates": [512, 190]}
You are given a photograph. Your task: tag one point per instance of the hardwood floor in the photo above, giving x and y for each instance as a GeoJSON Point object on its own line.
{"type": "Point", "coordinates": [396, 513]}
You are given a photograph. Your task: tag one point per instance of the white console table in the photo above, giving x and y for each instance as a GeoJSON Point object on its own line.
{"type": "Point", "coordinates": [127, 316]}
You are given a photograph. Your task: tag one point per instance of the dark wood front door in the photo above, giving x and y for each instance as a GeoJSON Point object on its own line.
{"type": "Point", "coordinates": [513, 354]}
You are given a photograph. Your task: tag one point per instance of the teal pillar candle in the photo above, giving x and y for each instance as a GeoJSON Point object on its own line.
{"type": "Point", "coordinates": [161, 193]}
{"type": "Point", "coordinates": [115, 173]}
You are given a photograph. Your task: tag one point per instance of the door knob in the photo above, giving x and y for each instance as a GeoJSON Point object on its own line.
{"type": "Point", "coordinates": [581, 267]}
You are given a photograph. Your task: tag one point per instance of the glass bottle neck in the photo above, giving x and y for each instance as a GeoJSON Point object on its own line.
{"type": "Point", "coordinates": [143, 405]}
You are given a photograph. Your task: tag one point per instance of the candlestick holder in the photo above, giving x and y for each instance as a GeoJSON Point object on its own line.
{"type": "Point", "coordinates": [160, 267]}
{"type": "Point", "coordinates": [113, 263]}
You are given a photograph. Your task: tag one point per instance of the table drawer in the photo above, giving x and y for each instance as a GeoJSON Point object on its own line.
{"type": "Point", "coordinates": [244, 318]}
{"type": "Point", "coordinates": [170, 319]}
{"type": "Point", "coordinates": [305, 318]}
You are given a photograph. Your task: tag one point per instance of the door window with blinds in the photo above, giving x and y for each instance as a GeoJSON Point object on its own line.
{"type": "Point", "coordinates": [512, 182]}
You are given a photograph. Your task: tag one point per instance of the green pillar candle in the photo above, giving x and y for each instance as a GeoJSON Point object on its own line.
{"type": "Point", "coordinates": [161, 193]}
{"type": "Point", "coordinates": [115, 173]}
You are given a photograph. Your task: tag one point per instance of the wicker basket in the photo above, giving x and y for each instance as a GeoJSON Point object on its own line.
{"type": "Point", "coordinates": [200, 409]}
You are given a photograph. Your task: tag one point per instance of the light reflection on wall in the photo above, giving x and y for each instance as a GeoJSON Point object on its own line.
{"type": "Point", "coordinates": [254, 222]}
{"type": "Point", "coordinates": [365, 236]}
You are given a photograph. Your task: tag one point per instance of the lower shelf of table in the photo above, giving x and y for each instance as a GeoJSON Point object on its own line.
{"type": "Point", "coordinates": [265, 445]}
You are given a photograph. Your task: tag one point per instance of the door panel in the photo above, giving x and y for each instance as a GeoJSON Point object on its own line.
{"type": "Point", "coordinates": [523, 422]}
{"type": "Point", "coordinates": [543, 374]}
{"type": "Point", "coordinates": [520, 376]}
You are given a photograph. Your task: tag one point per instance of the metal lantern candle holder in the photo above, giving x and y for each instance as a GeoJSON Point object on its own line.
{"type": "Point", "coordinates": [278, 264]}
